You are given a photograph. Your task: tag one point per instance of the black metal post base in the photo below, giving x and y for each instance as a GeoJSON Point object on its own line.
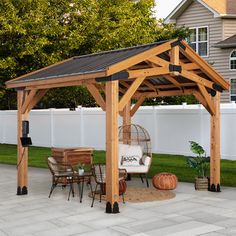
{"type": "Point", "coordinates": [112, 210]}
{"type": "Point", "coordinates": [214, 188]}
{"type": "Point", "coordinates": [22, 191]}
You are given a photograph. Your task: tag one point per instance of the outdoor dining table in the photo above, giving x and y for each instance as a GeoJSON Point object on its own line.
{"type": "Point", "coordinates": [81, 179]}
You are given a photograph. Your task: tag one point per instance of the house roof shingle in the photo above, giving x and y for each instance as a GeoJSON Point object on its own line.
{"type": "Point", "coordinates": [223, 7]}
{"type": "Point", "coordinates": [220, 8]}
{"type": "Point", "coordinates": [227, 43]}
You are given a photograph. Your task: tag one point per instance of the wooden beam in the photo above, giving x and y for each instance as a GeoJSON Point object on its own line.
{"type": "Point", "coordinates": [97, 96]}
{"type": "Point", "coordinates": [60, 85]}
{"type": "Point", "coordinates": [28, 99]}
{"type": "Point", "coordinates": [150, 85]}
{"type": "Point", "coordinates": [174, 58]}
{"type": "Point", "coordinates": [112, 175]}
{"type": "Point", "coordinates": [123, 65]}
{"type": "Point", "coordinates": [148, 72]}
{"type": "Point", "coordinates": [137, 105]}
{"type": "Point", "coordinates": [204, 66]}
{"type": "Point", "coordinates": [169, 93]}
{"type": "Point", "coordinates": [207, 98]}
{"type": "Point", "coordinates": [215, 146]}
{"type": "Point", "coordinates": [130, 92]}
{"type": "Point", "coordinates": [165, 86]}
{"type": "Point", "coordinates": [53, 81]}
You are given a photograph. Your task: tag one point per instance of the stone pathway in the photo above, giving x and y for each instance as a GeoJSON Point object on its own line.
{"type": "Point", "coordinates": [189, 213]}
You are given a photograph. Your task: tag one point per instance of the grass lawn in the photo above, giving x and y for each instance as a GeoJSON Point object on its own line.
{"type": "Point", "coordinates": [161, 163]}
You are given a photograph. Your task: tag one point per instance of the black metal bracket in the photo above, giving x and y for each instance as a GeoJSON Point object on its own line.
{"type": "Point", "coordinates": [214, 188]}
{"type": "Point", "coordinates": [217, 87]}
{"type": "Point", "coordinates": [175, 68]}
{"type": "Point", "coordinates": [117, 76]}
{"type": "Point", "coordinates": [112, 210]}
{"type": "Point", "coordinates": [178, 43]}
{"type": "Point", "coordinates": [212, 92]}
{"type": "Point", "coordinates": [22, 191]}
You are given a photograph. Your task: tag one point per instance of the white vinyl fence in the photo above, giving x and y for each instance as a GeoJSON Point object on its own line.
{"type": "Point", "coordinates": [170, 127]}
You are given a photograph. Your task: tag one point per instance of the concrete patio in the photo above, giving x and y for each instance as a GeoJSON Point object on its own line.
{"type": "Point", "coordinates": [189, 213]}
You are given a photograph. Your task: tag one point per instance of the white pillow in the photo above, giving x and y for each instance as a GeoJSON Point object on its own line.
{"type": "Point", "coordinates": [130, 155]}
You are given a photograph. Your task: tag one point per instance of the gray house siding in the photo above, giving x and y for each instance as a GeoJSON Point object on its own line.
{"type": "Point", "coordinates": [196, 15]}
{"type": "Point", "coordinates": [229, 27]}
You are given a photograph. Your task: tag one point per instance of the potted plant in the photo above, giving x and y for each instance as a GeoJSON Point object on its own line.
{"type": "Point", "coordinates": [81, 169]}
{"type": "Point", "coordinates": [200, 163]}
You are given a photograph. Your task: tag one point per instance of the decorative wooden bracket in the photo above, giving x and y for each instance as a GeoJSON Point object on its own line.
{"type": "Point", "coordinates": [97, 96]}
{"type": "Point", "coordinates": [137, 105]}
{"type": "Point", "coordinates": [207, 98]}
{"type": "Point", "coordinates": [130, 92]}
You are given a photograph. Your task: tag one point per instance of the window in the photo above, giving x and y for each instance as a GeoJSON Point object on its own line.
{"type": "Point", "coordinates": [233, 89]}
{"type": "Point", "coordinates": [198, 40]}
{"type": "Point", "coordinates": [232, 60]}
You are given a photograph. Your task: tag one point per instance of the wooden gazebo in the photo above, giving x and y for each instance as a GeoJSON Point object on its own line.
{"type": "Point", "coordinates": [168, 68]}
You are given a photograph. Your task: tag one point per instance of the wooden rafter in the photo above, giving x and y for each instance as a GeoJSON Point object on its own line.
{"type": "Point", "coordinates": [97, 96]}
{"type": "Point", "coordinates": [150, 85]}
{"type": "Point", "coordinates": [139, 58]}
{"type": "Point", "coordinates": [173, 81]}
{"type": "Point", "coordinates": [203, 65]}
{"type": "Point", "coordinates": [130, 92]}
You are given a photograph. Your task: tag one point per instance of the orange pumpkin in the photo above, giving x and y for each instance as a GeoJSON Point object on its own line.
{"type": "Point", "coordinates": [165, 181]}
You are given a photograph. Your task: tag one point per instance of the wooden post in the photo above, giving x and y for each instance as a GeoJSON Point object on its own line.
{"type": "Point", "coordinates": [215, 146]}
{"type": "Point", "coordinates": [126, 121]}
{"type": "Point", "coordinates": [22, 152]}
{"type": "Point", "coordinates": [112, 175]}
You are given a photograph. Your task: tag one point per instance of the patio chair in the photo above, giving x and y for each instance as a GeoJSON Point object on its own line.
{"type": "Point", "coordinates": [135, 154]}
{"type": "Point", "coordinates": [99, 173]}
{"type": "Point", "coordinates": [62, 175]}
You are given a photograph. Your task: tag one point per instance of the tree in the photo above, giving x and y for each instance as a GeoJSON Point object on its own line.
{"type": "Point", "coordinates": [37, 33]}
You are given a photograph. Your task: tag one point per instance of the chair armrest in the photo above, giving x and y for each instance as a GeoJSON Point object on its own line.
{"type": "Point", "coordinates": [122, 173]}
{"type": "Point", "coordinates": [146, 160]}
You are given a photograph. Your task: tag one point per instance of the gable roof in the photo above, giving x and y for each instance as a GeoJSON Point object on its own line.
{"type": "Point", "coordinates": [220, 8]}
{"type": "Point", "coordinates": [85, 64]}
{"type": "Point", "coordinates": [227, 43]}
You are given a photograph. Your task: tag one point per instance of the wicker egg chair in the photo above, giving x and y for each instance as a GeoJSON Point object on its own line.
{"type": "Point", "coordinates": [135, 135]}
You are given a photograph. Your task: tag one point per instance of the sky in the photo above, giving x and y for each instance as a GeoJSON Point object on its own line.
{"type": "Point", "coordinates": [164, 7]}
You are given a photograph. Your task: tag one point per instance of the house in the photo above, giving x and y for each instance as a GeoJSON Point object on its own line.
{"type": "Point", "coordinates": [213, 36]}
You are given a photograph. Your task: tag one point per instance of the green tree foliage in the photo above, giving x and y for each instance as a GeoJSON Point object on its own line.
{"type": "Point", "coordinates": [37, 33]}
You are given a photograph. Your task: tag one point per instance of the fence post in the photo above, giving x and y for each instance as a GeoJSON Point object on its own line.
{"type": "Point", "coordinates": [51, 110]}
{"type": "Point", "coordinates": [81, 126]}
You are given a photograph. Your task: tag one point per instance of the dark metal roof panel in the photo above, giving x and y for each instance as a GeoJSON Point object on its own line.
{"type": "Point", "coordinates": [86, 64]}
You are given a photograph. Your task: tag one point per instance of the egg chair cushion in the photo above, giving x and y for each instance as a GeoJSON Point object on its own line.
{"type": "Point", "coordinates": [130, 155]}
